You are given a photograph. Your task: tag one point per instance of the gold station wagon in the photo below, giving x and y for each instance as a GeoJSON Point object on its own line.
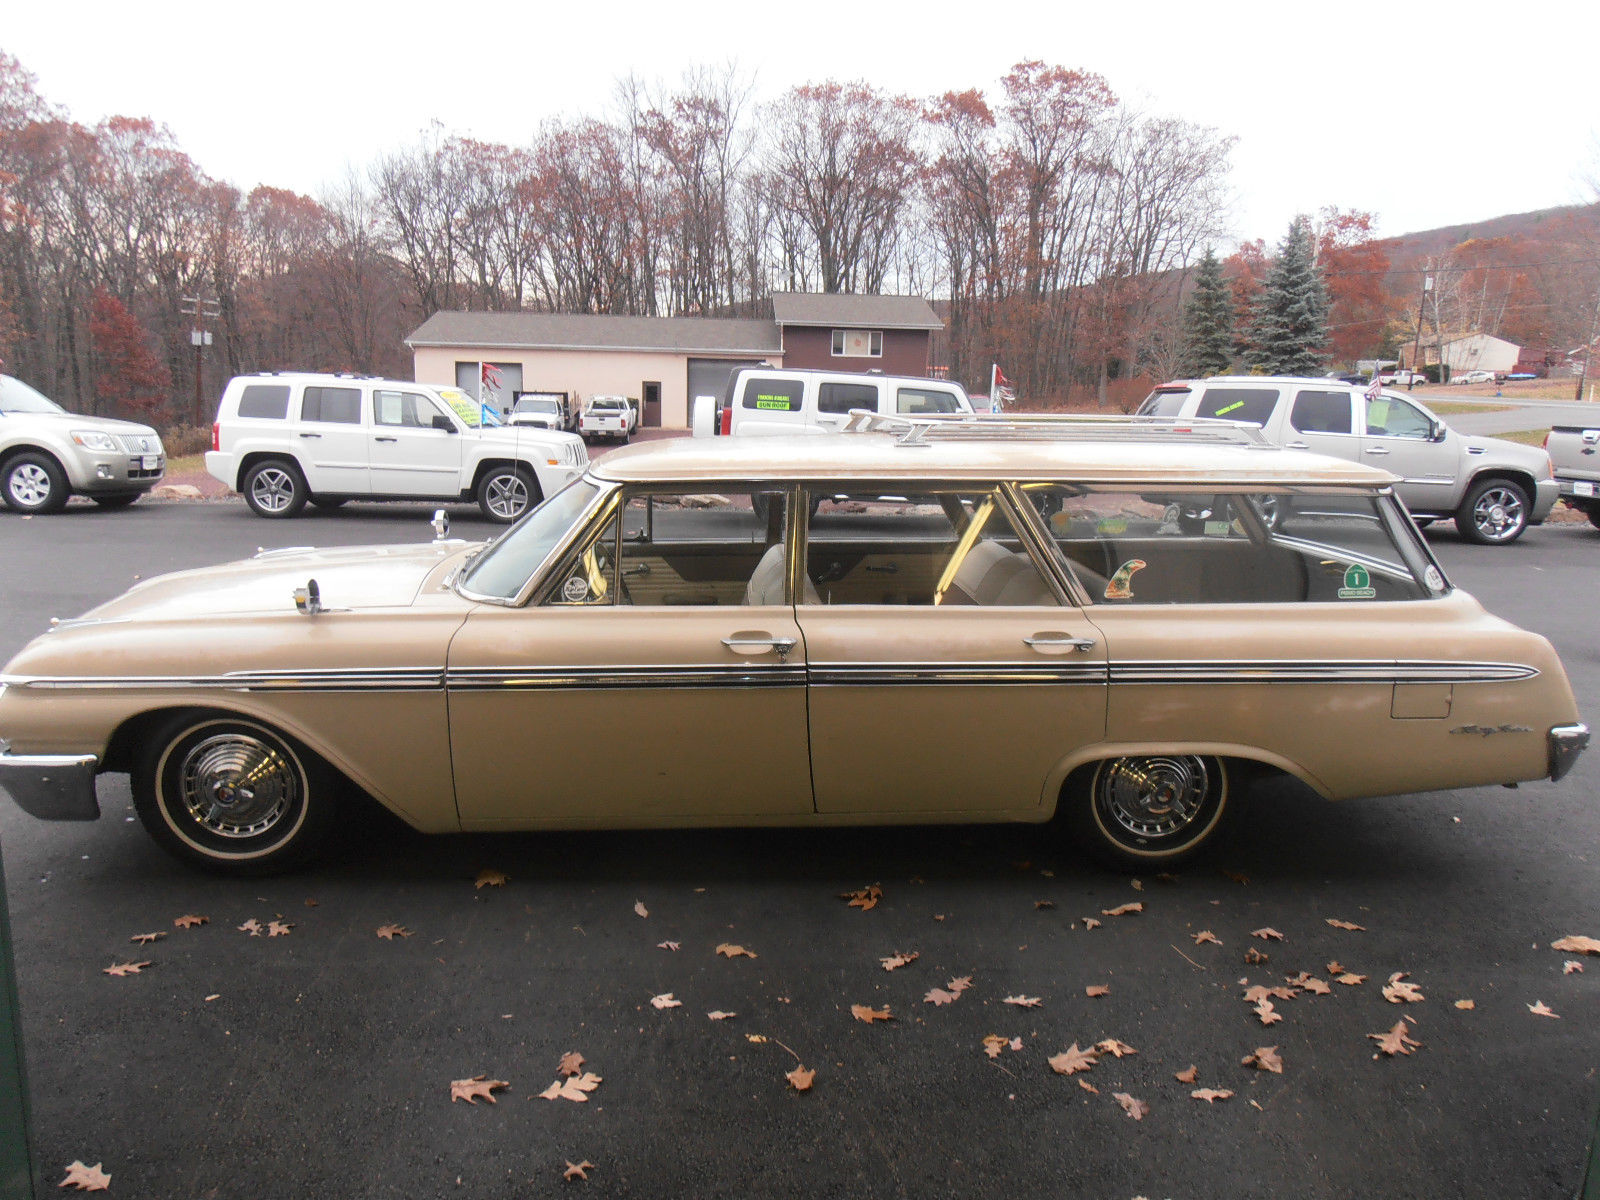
{"type": "Point", "coordinates": [1113, 622]}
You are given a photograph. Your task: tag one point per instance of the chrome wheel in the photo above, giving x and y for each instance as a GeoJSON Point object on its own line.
{"type": "Point", "coordinates": [1148, 809]}
{"type": "Point", "coordinates": [1496, 512]}
{"type": "Point", "coordinates": [235, 785]}
{"type": "Point", "coordinates": [505, 493]}
{"type": "Point", "coordinates": [272, 489]}
{"type": "Point", "coordinates": [30, 486]}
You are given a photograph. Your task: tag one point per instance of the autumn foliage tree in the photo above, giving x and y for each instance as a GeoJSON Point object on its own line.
{"type": "Point", "coordinates": [129, 379]}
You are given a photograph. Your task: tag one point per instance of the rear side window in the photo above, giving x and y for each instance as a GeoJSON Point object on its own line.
{"type": "Point", "coordinates": [925, 400]}
{"type": "Point", "coordinates": [269, 401]}
{"type": "Point", "coordinates": [335, 405]}
{"type": "Point", "coordinates": [842, 397]}
{"type": "Point", "coordinates": [1167, 403]}
{"type": "Point", "coordinates": [1238, 404]}
{"type": "Point", "coordinates": [774, 395]}
{"type": "Point", "coordinates": [1322, 412]}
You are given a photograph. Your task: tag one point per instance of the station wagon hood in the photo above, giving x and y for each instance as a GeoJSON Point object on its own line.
{"type": "Point", "coordinates": [360, 577]}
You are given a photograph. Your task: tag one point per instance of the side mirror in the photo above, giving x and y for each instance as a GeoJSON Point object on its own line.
{"type": "Point", "coordinates": [440, 421]}
{"type": "Point", "coordinates": [1438, 432]}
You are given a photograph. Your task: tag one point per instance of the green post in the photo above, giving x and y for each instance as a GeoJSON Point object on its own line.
{"type": "Point", "coordinates": [16, 1164]}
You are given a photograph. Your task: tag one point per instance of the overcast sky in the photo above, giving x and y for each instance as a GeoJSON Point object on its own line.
{"type": "Point", "coordinates": [1424, 115]}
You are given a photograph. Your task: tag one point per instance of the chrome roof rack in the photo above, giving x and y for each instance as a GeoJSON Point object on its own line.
{"type": "Point", "coordinates": [925, 429]}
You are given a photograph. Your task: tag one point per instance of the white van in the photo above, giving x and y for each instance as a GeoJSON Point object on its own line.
{"type": "Point", "coordinates": [772, 400]}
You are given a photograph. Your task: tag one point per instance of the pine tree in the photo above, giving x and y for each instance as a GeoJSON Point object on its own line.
{"type": "Point", "coordinates": [1289, 324]}
{"type": "Point", "coordinates": [1208, 333]}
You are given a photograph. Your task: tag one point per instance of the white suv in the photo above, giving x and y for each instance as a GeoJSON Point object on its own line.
{"type": "Point", "coordinates": [772, 400]}
{"type": "Point", "coordinates": [284, 439]}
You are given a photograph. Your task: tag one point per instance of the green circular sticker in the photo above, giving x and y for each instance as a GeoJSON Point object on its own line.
{"type": "Point", "coordinates": [1357, 584]}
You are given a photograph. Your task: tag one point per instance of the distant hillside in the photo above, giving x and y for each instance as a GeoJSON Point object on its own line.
{"type": "Point", "coordinates": [1554, 228]}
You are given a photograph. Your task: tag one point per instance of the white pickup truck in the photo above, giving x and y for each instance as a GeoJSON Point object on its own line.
{"type": "Point", "coordinates": [1575, 455]}
{"type": "Point", "coordinates": [1400, 377]}
{"type": "Point", "coordinates": [608, 417]}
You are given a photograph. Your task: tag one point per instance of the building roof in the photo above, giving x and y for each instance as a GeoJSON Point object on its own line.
{"type": "Point", "coordinates": [867, 312]}
{"type": "Point", "coordinates": [573, 331]}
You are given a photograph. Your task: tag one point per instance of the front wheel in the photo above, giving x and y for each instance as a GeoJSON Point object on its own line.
{"type": "Point", "coordinates": [232, 795]}
{"type": "Point", "coordinates": [274, 488]}
{"type": "Point", "coordinates": [1494, 513]}
{"type": "Point", "coordinates": [34, 483]}
{"type": "Point", "coordinates": [1148, 811]}
{"type": "Point", "coordinates": [505, 493]}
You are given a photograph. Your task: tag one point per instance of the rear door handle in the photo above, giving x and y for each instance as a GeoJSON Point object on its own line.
{"type": "Point", "coordinates": [310, 435]}
{"type": "Point", "coordinates": [1058, 643]}
{"type": "Point", "coordinates": [386, 439]}
{"type": "Point", "coordinates": [1376, 450]}
{"type": "Point", "coordinates": [1296, 446]}
{"type": "Point", "coordinates": [760, 643]}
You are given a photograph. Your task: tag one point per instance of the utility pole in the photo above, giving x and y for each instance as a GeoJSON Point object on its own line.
{"type": "Point", "coordinates": [202, 310]}
{"type": "Point", "coordinates": [1416, 347]}
{"type": "Point", "coordinates": [1588, 348]}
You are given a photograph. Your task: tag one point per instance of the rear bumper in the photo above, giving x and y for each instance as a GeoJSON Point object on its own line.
{"type": "Point", "coordinates": [52, 787]}
{"type": "Point", "coordinates": [1545, 494]}
{"type": "Point", "coordinates": [1566, 743]}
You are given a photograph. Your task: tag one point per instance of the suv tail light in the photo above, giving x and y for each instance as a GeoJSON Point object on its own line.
{"type": "Point", "coordinates": [727, 420]}
{"type": "Point", "coordinates": [216, 435]}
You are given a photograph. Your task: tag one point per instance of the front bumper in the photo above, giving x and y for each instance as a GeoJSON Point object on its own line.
{"type": "Point", "coordinates": [1566, 743]}
{"type": "Point", "coordinates": [52, 787]}
{"type": "Point", "coordinates": [97, 472]}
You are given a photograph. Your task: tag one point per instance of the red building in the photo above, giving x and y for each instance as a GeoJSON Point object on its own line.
{"type": "Point", "coordinates": [892, 334]}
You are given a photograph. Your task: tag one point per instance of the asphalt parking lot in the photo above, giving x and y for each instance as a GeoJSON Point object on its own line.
{"type": "Point", "coordinates": [319, 1063]}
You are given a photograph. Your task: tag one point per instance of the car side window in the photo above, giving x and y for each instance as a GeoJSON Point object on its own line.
{"type": "Point", "coordinates": [774, 395]}
{"type": "Point", "coordinates": [1390, 416]}
{"type": "Point", "coordinates": [1251, 404]}
{"type": "Point", "coordinates": [915, 401]}
{"type": "Point", "coordinates": [842, 397]}
{"type": "Point", "coordinates": [1322, 412]}
{"type": "Point", "coordinates": [408, 410]}
{"type": "Point", "coordinates": [265, 400]}
{"type": "Point", "coordinates": [951, 547]}
{"type": "Point", "coordinates": [331, 405]}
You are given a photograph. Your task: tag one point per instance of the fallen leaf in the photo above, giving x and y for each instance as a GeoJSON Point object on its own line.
{"type": "Point", "coordinates": [719, 1015]}
{"type": "Point", "coordinates": [577, 1170]}
{"type": "Point", "coordinates": [1310, 983]}
{"type": "Point", "coordinates": [1123, 910]}
{"type": "Point", "coordinates": [1091, 923]}
{"type": "Point", "coordinates": [1572, 967]}
{"type": "Point", "coordinates": [1114, 1048]}
{"type": "Point", "coordinates": [1211, 1094]}
{"type": "Point", "coordinates": [1188, 1075]}
{"type": "Point", "coordinates": [1264, 1058]}
{"type": "Point", "coordinates": [1466, 1005]}
{"type": "Point", "coordinates": [310, 903]}
{"type": "Point", "coordinates": [1088, 1087]}
{"type": "Point", "coordinates": [1136, 884]}
{"type": "Point", "coordinates": [895, 961]}
{"type": "Point", "coordinates": [253, 927]}
{"type": "Point", "coordinates": [571, 1063]}
{"type": "Point", "coordinates": [1350, 979]}
{"type": "Point", "coordinates": [1540, 1009]}
{"type": "Point", "coordinates": [389, 932]}
{"type": "Point", "coordinates": [1205, 936]}
{"type": "Point", "coordinates": [576, 1088]}
{"type": "Point", "coordinates": [759, 1038]}
{"type": "Point", "coordinates": [190, 920]}
{"type": "Point", "coordinates": [488, 877]}
{"type": "Point", "coordinates": [729, 950]}
{"type": "Point", "coordinates": [1399, 991]}
{"type": "Point", "coordinates": [1395, 1041]}
{"type": "Point", "coordinates": [127, 968]}
{"type": "Point", "coordinates": [993, 1045]}
{"type": "Point", "coordinates": [665, 1000]}
{"type": "Point", "coordinates": [638, 907]}
{"type": "Point", "coordinates": [1023, 1001]}
{"type": "Point", "coordinates": [960, 984]}
{"type": "Point", "coordinates": [1577, 944]}
{"type": "Point", "coordinates": [85, 1179]}
{"type": "Point", "coordinates": [1134, 1108]}
{"type": "Point", "coordinates": [1237, 876]}
{"type": "Point", "coordinates": [1097, 989]}
{"type": "Point", "coordinates": [1255, 957]}
{"type": "Point", "coordinates": [862, 1013]}
{"type": "Point", "coordinates": [666, 945]}
{"type": "Point", "coordinates": [144, 939]}
{"type": "Point", "coordinates": [800, 1079]}
{"type": "Point", "coordinates": [471, 1089]}
{"type": "Point", "coordinates": [938, 997]}
{"type": "Point", "coordinates": [1350, 925]}
{"type": "Point", "coordinates": [1268, 1014]}
{"type": "Point", "coordinates": [213, 996]}
{"type": "Point", "coordinates": [1044, 903]}
{"type": "Point", "coordinates": [1267, 934]}
{"type": "Point", "coordinates": [1335, 969]}
{"type": "Point", "coordinates": [1016, 1043]}
{"type": "Point", "coordinates": [279, 928]}
{"type": "Point", "coordinates": [1072, 1060]}
{"type": "Point", "coordinates": [867, 898]}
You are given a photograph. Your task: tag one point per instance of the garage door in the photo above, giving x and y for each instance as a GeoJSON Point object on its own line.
{"type": "Point", "coordinates": [709, 376]}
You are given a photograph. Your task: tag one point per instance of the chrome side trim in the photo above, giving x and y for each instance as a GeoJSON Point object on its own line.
{"type": "Point", "coordinates": [921, 674]}
{"type": "Point", "coordinates": [513, 678]}
{"type": "Point", "coordinates": [1312, 671]}
{"type": "Point", "coordinates": [1566, 743]}
{"type": "Point", "coordinates": [52, 787]}
{"type": "Point", "coordinates": [384, 679]}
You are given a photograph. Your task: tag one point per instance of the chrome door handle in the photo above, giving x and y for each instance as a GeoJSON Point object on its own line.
{"type": "Point", "coordinates": [1296, 446]}
{"type": "Point", "coordinates": [310, 435]}
{"type": "Point", "coordinates": [386, 439]}
{"type": "Point", "coordinates": [1376, 450]}
{"type": "Point", "coordinates": [755, 644]}
{"type": "Point", "coordinates": [1058, 643]}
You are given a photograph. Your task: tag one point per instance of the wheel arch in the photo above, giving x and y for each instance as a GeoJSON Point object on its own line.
{"type": "Point", "coordinates": [1523, 479]}
{"type": "Point", "coordinates": [1235, 754]}
{"type": "Point", "coordinates": [253, 457]}
{"type": "Point", "coordinates": [489, 464]}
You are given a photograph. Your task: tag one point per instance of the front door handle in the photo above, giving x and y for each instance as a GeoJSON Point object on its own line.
{"type": "Point", "coordinates": [310, 435]}
{"type": "Point", "coordinates": [386, 439]}
{"type": "Point", "coordinates": [1376, 450]}
{"type": "Point", "coordinates": [760, 643]}
{"type": "Point", "coordinates": [1058, 643]}
{"type": "Point", "coordinates": [1297, 446]}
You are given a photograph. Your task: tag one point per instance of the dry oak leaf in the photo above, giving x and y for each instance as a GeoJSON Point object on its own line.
{"type": "Point", "coordinates": [1540, 1009]}
{"type": "Point", "coordinates": [1309, 982]}
{"type": "Point", "coordinates": [143, 939]}
{"type": "Point", "coordinates": [1188, 1075]}
{"type": "Point", "coordinates": [865, 899]}
{"type": "Point", "coordinates": [576, 1088]}
{"type": "Point", "coordinates": [665, 1000]}
{"type": "Point", "coordinates": [1072, 1060]}
{"type": "Point", "coordinates": [638, 907]}
{"type": "Point", "coordinates": [1395, 1041]}
{"type": "Point", "coordinates": [1577, 944]}
{"type": "Point", "coordinates": [389, 932]}
{"type": "Point", "coordinates": [1123, 910]}
{"type": "Point", "coordinates": [729, 950]}
{"type": "Point", "coordinates": [1114, 1048]}
{"type": "Point", "coordinates": [666, 945]}
{"type": "Point", "coordinates": [471, 1089]}
{"type": "Point", "coordinates": [719, 1015]}
{"type": "Point", "coordinates": [1088, 1087]}
{"type": "Point", "coordinates": [571, 1063]}
{"type": "Point", "coordinates": [1334, 968]}
{"type": "Point", "coordinates": [1399, 991]}
{"type": "Point", "coordinates": [1466, 1005]}
{"type": "Point", "coordinates": [85, 1179]}
{"type": "Point", "coordinates": [1572, 967]}
{"type": "Point", "coordinates": [577, 1170]}
{"type": "Point", "coordinates": [1349, 978]}
{"type": "Point", "coordinates": [1024, 1001]}
{"type": "Point", "coordinates": [1264, 1058]}
{"type": "Point", "coordinates": [1350, 925]}
{"type": "Point", "coordinates": [863, 1013]}
{"type": "Point", "coordinates": [938, 997]}
{"type": "Point", "coordinates": [1267, 934]}
{"type": "Point", "coordinates": [994, 1044]}
{"type": "Point", "coordinates": [279, 928]}
{"type": "Point", "coordinates": [1255, 957]}
{"type": "Point", "coordinates": [127, 968]}
{"type": "Point", "coordinates": [253, 927]}
{"type": "Point", "coordinates": [1090, 923]}
{"type": "Point", "coordinates": [1134, 1108]}
{"type": "Point", "coordinates": [1204, 936]}
{"type": "Point", "coordinates": [800, 1079]}
{"type": "Point", "coordinates": [1097, 989]}
{"type": "Point", "coordinates": [1268, 1014]}
{"type": "Point", "coordinates": [1044, 904]}
{"type": "Point", "coordinates": [960, 984]}
{"type": "Point", "coordinates": [895, 961]}
{"type": "Point", "coordinates": [190, 920]}
{"type": "Point", "coordinates": [1211, 1094]}
{"type": "Point", "coordinates": [489, 877]}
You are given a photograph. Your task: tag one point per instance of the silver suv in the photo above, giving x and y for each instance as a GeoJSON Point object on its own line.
{"type": "Point", "coordinates": [47, 454]}
{"type": "Point", "coordinates": [1493, 489]}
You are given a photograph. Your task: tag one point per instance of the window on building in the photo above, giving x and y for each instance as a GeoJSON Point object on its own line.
{"type": "Point", "coordinates": [858, 343]}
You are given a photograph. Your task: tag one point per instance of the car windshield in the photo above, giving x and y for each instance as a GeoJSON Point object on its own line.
{"type": "Point", "coordinates": [540, 406]}
{"type": "Point", "coordinates": [18, 397]}
{"type": "Point", "coordinates": [473, 414]}
{"type": "Point", "coordinates": [503, 569]}
{"type": "Point", "coordinates": [609, 405]}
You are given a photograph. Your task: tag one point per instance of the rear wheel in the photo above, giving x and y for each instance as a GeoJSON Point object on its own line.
{"type": "Point", "coordinates": [34, 483]}
{"type": "Point", "coordinates": [274, 488]}
{"type": "Point", "coordinates": [1148, 810]}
